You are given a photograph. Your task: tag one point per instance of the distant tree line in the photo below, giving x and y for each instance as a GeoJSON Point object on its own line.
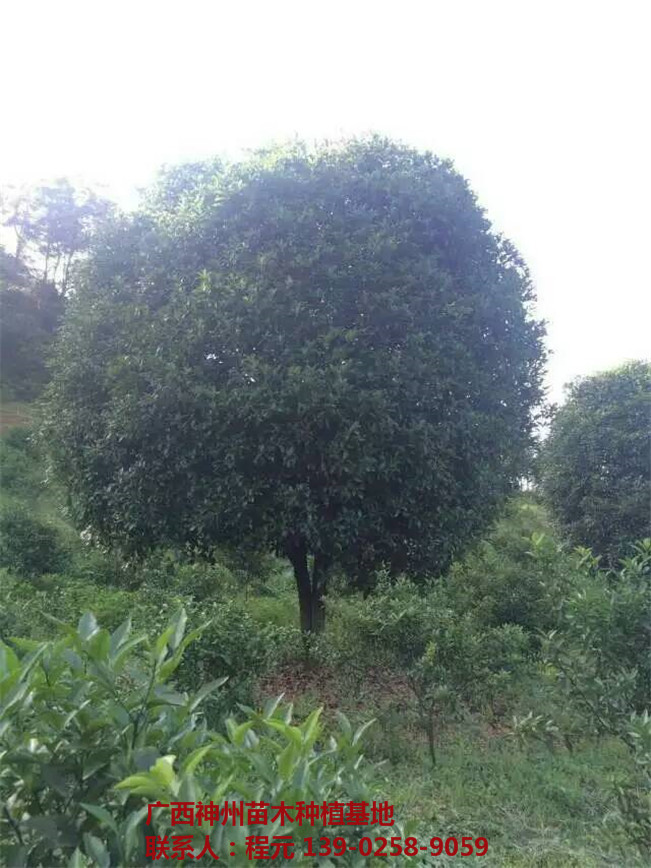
{"type": "Point", "coordinates": [45, 232]}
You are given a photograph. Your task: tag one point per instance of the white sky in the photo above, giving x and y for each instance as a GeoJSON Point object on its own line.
{"type": "Point", "coordinates": [543, 105]}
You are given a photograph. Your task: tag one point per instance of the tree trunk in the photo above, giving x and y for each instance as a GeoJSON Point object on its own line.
{"type": "Point", "coordinates": [47, 261]}
{"type": "Point", "coordinates": [298, 558]}
{"type": "Point", "coordinates": [311, 589]}
{"type": "Point", "coordinates": [66, 270]}
{"type": "Point", "coordinates": [319, 582]}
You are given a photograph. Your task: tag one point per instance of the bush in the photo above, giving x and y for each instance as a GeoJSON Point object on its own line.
{"type": "Point", "coordinates": [390, 626]}
{"type": "Point", "coordinates": [601, 647]}
{"type": "Point", "coordinates": [28, 545]}
{"type": "Point", "coordinates": [516, 576]}
{"type": "Point", "coordinates": [235, 646]}
{"type": "Point", "coordinates": [599, 656]}
{"type": "Point", "coordinates": [463, 665]}
{"type": "Point", "coordinates": [19, 469]}
{"type": "Point", "coordinates": [448, 657]}
{"type": "Point", "coordinates": [92, 731]}
{"type": "Point", "coordinates": [29, 605]}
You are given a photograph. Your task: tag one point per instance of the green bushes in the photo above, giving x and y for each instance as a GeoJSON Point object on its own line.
{"type": "Point", "coordinates": [599, 658]}
{"type": "Point", "coordinates": [28, 605]}
{"type": "Point", "coordinates": [600, 648]}
{"type": "Point", "coordinates": [19, 467]}
{"type": "Point", "coordinates": [235, 646]}
{"type": "Point", "coordinates": [515, 576]}
{"type": "Point", "coordinates": [391, 626]}
{"type": "Point", "coordinates": [29, 545]}
{"type": "Point", "coordinates": [448, 657]}
{"type": "Point", "coordinates": [92, 730]}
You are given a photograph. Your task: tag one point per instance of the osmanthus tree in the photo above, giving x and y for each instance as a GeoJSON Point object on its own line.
{"type": "Point", "coordinates": [596, 461]}
{"type": "Point", "coordinates": [328, 353]}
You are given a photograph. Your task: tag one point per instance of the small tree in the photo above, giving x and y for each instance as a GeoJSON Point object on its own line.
{"type": "Point", "coordinates": [328, 354]}
{"type": "Point", "coordinates": [596, 461]}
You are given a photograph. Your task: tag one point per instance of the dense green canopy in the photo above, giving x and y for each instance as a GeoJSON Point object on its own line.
{"type": "Point", "coordinates": [325, 353]}
{"type": "Point", "coordinates": [597, 461]}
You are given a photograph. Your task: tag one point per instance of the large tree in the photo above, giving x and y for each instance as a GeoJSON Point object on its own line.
{"type": "Point", "coordinates": [326, 353]}
{"type": "Point", "coordinates": [596, 462]}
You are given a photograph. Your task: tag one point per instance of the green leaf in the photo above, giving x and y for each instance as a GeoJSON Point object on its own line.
{"type": "Point", "coordinates": [77, 860]}
{"type": "Point", "coordinates": [179, 623]}
{"type": "Point", "coordinates": [163, 770]}
{"type": "Point", "coordinates": [8, 660]}
{"type": "Point", "coordinates": [96, 850]}
{"type": "Point", "coordinates": [87, 626]}
{"type": "Point", "coordinates": [99, 645]}
{"type": "Point", "coordinates": [100, 814]}
{"type": "Point", "coordinates": [222, 789]}
{"type": "Point", "coordinates": [205, 691]}
{"type": "Point", "coordinates": [166, 696]}
{"type": "Point", "coordinates": [120, 636]}
{"type": "Point", "coordinates": [142, 785]}
{"type": "Point", "coordinates": [286, 761]}
{"type": "Point", "coordinates": [292, 733]}
{"type": "Point", "coordinates": [160, 646]}
{"type": "Point", "coordinates": [131, 829]}
{"type": "Point", "coordinates": [344, 724]}
{"type": "Point", "coordinates": [191, 762]}
{"type": "Point", "coordinates": [237, 733]}
{"type": "Point", "coordinates": [125, 648]}
{"type": "Point", "coordinates": [271, 705]}
{"type": "Point", "coordinates": [361, 730]}
{"type": "Point", "coordinates": [311, 727]}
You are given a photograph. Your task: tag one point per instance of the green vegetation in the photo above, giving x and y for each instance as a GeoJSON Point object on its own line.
{"type": "Point", "coordinates": [327, 355]}
{"type": "Point", "coordinates": [477, 720]}
{"type": "Point", "coordinates": [52, 227]}
{"type": "Point", "coordinates": [596, 461]}
{"type": "Point", "coordinates": [311, 371]}
{"type": "Point", "coordinates": [92, 731]}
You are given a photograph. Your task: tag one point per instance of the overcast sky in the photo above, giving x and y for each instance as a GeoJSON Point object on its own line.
{"type": "Point", "coordinates": [543, 106]}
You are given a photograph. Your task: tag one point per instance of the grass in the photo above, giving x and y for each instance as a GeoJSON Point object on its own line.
{"type": "Point", "coordinates": [536, 807]}
{"type": "Point", "coordinates": [533, 807]}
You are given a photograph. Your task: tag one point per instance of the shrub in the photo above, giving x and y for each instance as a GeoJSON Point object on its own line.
{"type": "Point", "coordinates": [449, 658]}
{"type": "Point", "coordinates": [29, 605]}
{"type": "Point", "coordinates": [235, 646]}
{"type": "Point", "coordinates": [93, 566]}
{"type": "Point", "coordinates": [91, 731]}
{"type": "Point", "coordinates": [463, 665]}
{"type": "Point", "coordinates": [601, 647]}
{"type": "Point", "coordinates": [390, 627]}
{"type": "Point", "coordinates": [516, 576]}
{"type": "Point", "coordinates": [19, 469]}
{"type": "Point", "coordinates": [29, 545]}
{"type": "Point", "coordinates": [599, 656]}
